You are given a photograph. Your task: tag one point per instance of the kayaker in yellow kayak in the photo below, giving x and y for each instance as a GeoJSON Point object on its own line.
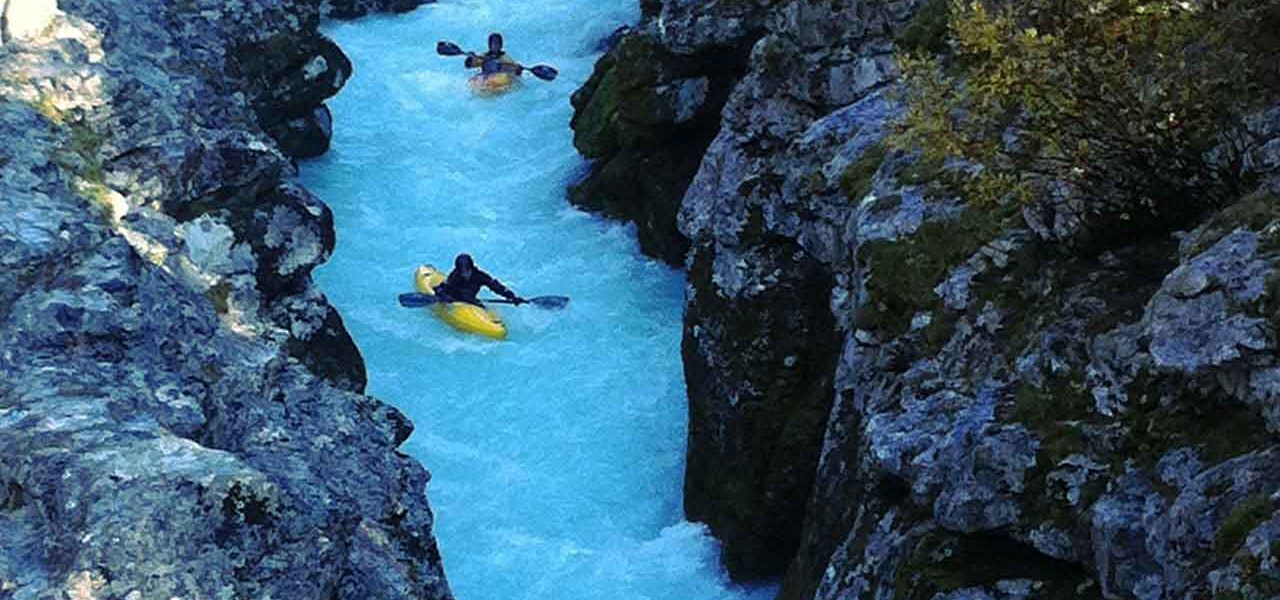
{"type": "Point", "coordinates": [465, 281]}
{"type": "Point", "coordinates": [453, 298]}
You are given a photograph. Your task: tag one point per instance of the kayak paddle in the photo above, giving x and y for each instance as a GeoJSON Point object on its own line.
{"type": "Point", "coordinates": [543, 72]}
{"type": "Point", "coordinates": [448, 49]}
{"type": "Point", "coordinates": [415, 300]}
{"type": "Point", "coordinates": [547, 302]}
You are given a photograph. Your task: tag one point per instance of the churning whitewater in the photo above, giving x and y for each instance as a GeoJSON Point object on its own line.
{"type": "Point", "coordinates": [557, 455]}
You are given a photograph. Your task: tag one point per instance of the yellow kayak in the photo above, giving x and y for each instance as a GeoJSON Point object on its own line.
{"type": "Point", "coordinates": [494, 84]}
{"type": "Point", "coordinates": [461, 315]}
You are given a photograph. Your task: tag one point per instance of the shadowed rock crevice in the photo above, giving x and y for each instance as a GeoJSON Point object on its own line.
{"type": "Point", "coordinates": [759, 368]}
{"type": "Point", "coordinates": [939, 563]}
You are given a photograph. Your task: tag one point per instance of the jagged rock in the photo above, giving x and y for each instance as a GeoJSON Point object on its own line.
{"type": "Point", "coordinates": [690, 27]}
{"type": "Point", "coordinates": [307, 136]}
{"type": "Point", "coordinates": [1263, 157]}
{"type": "Point", "coordinates": [1191, 328]}
{"type": "Point", "coordinates": [743, 208]}
{"type": "Point", "coordinates": [645, 117]}
{"type": "Point", "coordinates": [177, 406]}
{"type": "Point", "coordinates": [287, 79]}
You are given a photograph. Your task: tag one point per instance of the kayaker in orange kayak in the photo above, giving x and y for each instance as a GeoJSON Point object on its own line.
{"type": "Point", "coordinates": [495, 60]}
{"type": "Point", "coordinates": [498, 71]}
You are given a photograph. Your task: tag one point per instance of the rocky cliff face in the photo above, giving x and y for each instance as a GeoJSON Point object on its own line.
{"type": "Point", "coordinates": [894, 394]}
{"type": "Point", "coordinates": [649, 111]}
{"type": "Point", "coordinates": [179, 406]}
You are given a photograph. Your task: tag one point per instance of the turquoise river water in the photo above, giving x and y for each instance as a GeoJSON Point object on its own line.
{"type": "Point", "coordinates": [557, 455]}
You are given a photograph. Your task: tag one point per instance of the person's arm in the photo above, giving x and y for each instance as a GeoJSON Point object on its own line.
{"type": "Point", "coordinates": [442, 290]}
{"type": "Point", "coordinates": [474, 61]}
{"type": "Point", "coordinates": [500, 289]}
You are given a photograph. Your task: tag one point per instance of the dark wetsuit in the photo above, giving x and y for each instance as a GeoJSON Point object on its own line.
{"type": "Point", "coordinates": [463, 288]}
{"type": "Point", "coordinates": [490, 63]}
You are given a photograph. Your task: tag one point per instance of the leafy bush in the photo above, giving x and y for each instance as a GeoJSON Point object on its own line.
{"type": "Point", "coordinates": [1135, 106]}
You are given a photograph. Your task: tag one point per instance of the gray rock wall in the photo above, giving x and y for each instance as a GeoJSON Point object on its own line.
{"type": "Point", "coordinates": [1003, 415]}
{"type": "Point", "coordinates": [179, 406]}
{"type": "Point", "coordinates": [650, 109]}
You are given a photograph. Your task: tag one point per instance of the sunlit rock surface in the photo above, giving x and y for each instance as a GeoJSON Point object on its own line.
{"type": "Point", "coordinates": [26, 19]}
{"type": "Point", "coordinates": [178, 406]}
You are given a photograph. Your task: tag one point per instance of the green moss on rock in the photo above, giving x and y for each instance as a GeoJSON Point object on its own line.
{"type": "Point", "coordinates": [904, 272]}
{"type": "Point", "coordinates": [1056, 413]}
{"type": "Point", "coordinates": [1031, 291]}
{"type": "Point", "coordinates": [1250, 513]}
{"type": "Point", "coordinates": [622, 104]}
{"type": "Point", "coordinates": [220, 295]}
{"type": "Point", "coordinates": [1052, 412]}
{"type": "Point", "coordinates": [1161, 419]}
{"type": "Point", "coordinates": [942, 562]}
{"type": "Point", "coordinates": [760, 373]}
{"type": "Point", "coordinates": [857, 178]}
{"type": "Point", "coordinates": [1253, 212]}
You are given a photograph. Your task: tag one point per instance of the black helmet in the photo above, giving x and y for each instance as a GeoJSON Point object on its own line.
{"type": "Point", "coordinates": [464, 262]}
{"type": "Point", "coordinates": [495, 42]}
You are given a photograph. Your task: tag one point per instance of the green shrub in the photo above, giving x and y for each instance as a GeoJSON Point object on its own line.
{"type": "Point", "coordinates": [1117, 101]}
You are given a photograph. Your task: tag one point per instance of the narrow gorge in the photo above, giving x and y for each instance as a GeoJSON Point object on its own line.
{"type": "Point", "coordinates": [819, 347]}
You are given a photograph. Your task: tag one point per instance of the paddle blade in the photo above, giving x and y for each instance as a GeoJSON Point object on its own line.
{"type": "Point", "coordinates": [414, 300]}
{"type": "Point", "coordinates": [544, 72]}
{"type": "Point", "coordinates": [448, 49]}
{"type": "Point", "coordinates": [550, 302]}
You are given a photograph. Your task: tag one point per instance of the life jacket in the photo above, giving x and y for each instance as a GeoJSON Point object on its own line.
{"type": "Point", "coordinates": [491, 63]}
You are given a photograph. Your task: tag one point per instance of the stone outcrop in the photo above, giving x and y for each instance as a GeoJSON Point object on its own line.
{"type": "Point", "coordinates": [288, 78]}
{"type": "Point", "coordinates": [180, 412]}
{"type": "Point", "coordinates": [951, 400]}
{"type": "Point", "coordinates": [651, 108]}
